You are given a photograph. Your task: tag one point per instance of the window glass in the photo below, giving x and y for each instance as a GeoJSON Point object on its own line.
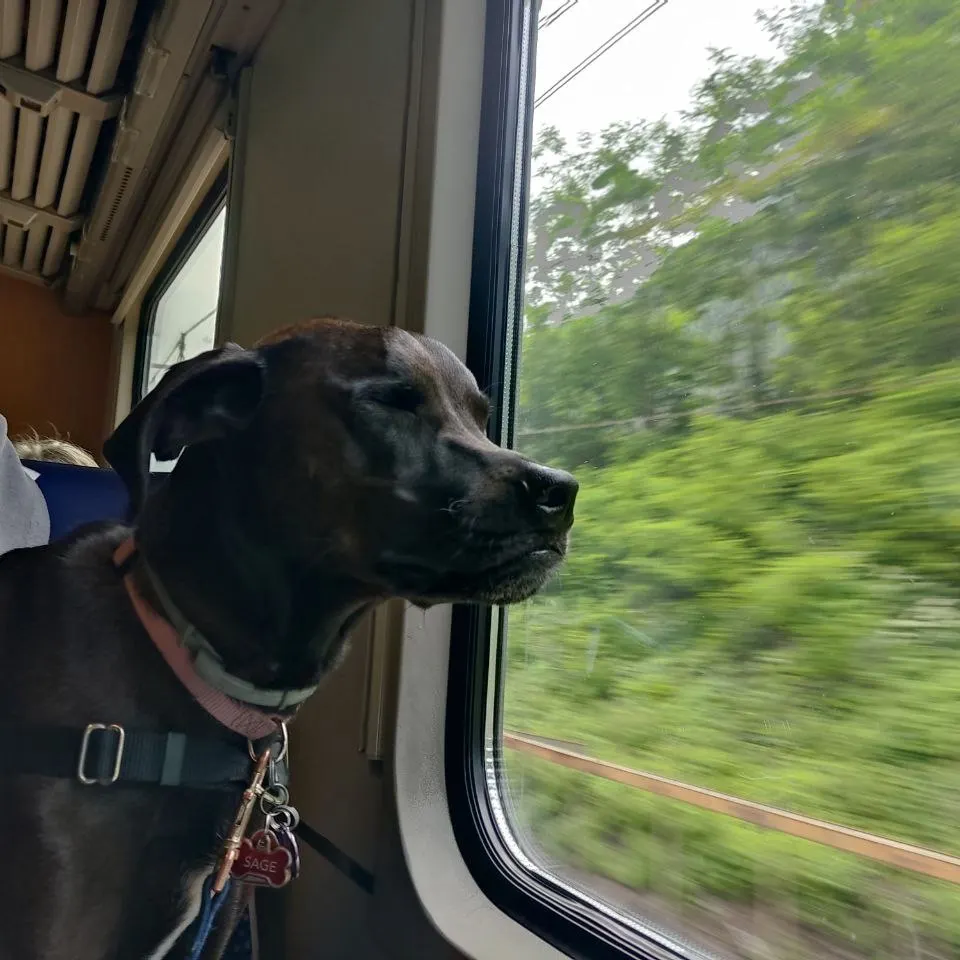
{"type": "Point", "coordinates": [734, 717]}
{"type": "Point", "coordinates": [185, 321]}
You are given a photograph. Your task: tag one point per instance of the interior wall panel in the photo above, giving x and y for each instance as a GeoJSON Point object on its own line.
{"type": "Point", "coordinates": [322, 166]}
{"type": "Point", "coordinates": [313, 226]}
{"type": "Point", "coordinates": [55, 369]}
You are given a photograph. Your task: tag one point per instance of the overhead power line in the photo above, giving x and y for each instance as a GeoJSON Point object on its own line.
{"type": "Point", "coordinates": [547, 19]}
{"type": "Point", "coordinates": [593, 57]}
{"type": "Point", "coordinates": [182, 337]}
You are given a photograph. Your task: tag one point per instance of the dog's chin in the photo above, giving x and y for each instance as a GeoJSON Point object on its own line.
{"type": "Point", "coordinates": [511, 581]}
{"type": "Point", "coordinates": [516, 581]}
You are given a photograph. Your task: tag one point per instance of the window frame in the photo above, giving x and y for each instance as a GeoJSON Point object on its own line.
{"type": "Point", "coordinates": [210, 208]}
{"type": "Point", "coordinates": [545, 904]}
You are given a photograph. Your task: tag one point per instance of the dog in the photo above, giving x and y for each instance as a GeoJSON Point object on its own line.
{"type": "Point", "coordinates": [329, 468]}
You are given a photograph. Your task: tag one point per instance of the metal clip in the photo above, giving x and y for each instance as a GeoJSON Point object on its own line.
{"type": "Point", "coordinates": [241, 820]}
{"type": "Point", "coordinates": [85, 746]}
{"type": "Point", "coordinates": [284, 746]}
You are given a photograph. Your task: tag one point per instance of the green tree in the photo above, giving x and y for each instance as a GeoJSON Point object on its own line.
{"type": "Point", "coordinates": [743, 333]}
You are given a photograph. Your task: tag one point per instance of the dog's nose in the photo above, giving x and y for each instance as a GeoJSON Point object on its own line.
{"type": "Point", "coordinates": [552, 493]}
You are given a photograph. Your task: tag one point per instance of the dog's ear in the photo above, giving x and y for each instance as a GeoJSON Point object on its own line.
{"type": "Point", "coordinates": [200, 399]}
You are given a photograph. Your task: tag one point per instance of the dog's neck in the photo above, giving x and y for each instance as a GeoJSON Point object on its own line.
{"type": "Point", "coordinates": [274, 620]}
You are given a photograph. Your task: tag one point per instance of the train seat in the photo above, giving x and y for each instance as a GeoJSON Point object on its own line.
{"type": "Point", "coordinates": [78, 495]}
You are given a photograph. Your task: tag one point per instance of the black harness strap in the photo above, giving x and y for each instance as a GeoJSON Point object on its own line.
{"type": "Point", "coordinates": [343, 862]}
{"type": "Point", "coordinates": [107, 754]}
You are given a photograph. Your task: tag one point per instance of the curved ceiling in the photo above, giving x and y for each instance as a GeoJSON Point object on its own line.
{"type": "Point", "coordinates": [103, 104]}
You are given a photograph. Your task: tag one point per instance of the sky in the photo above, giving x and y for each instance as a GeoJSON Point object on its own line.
{"type": "Point", "coordinates": [648, 74]}
{"type": "Point", "coordinates": [189, 303]}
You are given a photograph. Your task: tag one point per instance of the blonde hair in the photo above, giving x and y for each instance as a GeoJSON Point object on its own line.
{"type": "Point", "coordinates": [31, 446]}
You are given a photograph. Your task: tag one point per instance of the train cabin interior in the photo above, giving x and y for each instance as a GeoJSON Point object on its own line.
{"type": "Point", "coordinates": [702, 253]}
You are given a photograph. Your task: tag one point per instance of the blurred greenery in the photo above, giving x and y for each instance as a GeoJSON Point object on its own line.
{"type": "Point", "coordinates": [742, 333]}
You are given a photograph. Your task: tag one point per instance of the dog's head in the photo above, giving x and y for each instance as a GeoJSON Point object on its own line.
{"type": "Point", "coordinates": [361, 449]}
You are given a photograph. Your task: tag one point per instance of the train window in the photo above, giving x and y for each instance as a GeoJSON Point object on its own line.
{"type": "Point", "coordinates": [180, 310]}
{"type": "Point", "coordinates": [729, 727]}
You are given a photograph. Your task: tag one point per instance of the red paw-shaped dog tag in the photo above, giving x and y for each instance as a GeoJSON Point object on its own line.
{"type": "Point", "coordinates": [262, 861]}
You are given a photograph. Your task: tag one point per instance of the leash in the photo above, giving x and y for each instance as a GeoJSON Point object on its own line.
{"type": "Point", "coordinates": [210, 906]}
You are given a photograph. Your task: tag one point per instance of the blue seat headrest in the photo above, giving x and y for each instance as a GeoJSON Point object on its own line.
{"type": "Point", "coordinates": [78, 495]}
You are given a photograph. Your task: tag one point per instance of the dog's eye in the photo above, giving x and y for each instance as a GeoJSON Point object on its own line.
{"type": "Point", "coordinates": [397, 396]}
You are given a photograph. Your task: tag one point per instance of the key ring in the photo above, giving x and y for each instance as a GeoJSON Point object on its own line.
{"type": "Point", "coordinates": [279, 796]}
{"type": "Point", "coordinates": [286, 818]}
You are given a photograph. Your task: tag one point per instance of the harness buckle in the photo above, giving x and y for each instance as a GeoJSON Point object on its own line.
{"type": "Point", "coordinates": [114, 775]}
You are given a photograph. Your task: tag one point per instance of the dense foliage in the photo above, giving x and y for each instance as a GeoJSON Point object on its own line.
{"type": "Point", "coordinates": [743, 334]}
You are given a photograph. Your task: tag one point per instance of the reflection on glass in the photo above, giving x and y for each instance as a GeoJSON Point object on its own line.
{"type": "Point", "coordinates": [742, 333]}
{"type": "Point", "coordinates": [186, 318]}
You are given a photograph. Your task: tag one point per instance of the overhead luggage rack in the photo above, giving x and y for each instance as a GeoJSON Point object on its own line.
{"type": "Point", "coordinates": [59, 64]}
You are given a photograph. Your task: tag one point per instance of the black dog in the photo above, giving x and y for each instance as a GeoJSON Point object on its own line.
{"type": "Point", "coordinates": [332, 467]}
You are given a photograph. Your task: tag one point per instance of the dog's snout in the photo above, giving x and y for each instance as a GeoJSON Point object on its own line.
{"type": "Point", "coordinates": [552, 493]}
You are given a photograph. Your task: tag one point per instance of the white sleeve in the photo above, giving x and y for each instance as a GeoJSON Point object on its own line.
{"type": "Point", "coordinates": [24, 521]}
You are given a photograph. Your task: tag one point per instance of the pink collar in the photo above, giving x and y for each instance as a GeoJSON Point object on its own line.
{"type": "Point", "coordinates": [241, 718]}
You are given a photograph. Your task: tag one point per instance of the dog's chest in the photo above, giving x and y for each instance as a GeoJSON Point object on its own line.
{"type": "Point", "coordinates": [191, 887]}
